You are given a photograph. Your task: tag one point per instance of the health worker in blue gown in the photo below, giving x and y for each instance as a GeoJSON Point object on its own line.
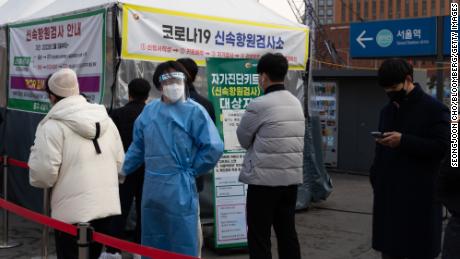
{"type": "Point", "coordinates": [176, 139]}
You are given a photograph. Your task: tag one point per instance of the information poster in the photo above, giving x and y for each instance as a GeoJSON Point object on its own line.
{"type": "Point", "coordinates": [232, 84]}
{"type": "Point", "coordinates": [158, 35]}
{"type": "Point", "coordinates": [40, 48]}
{"type": "Point", "coordinates": [325, 104]}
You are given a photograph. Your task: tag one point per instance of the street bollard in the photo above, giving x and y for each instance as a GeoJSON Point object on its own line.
{"type": "Point", "coordinates": [5, 242]}
{"type": "Point", "coordinates": [45, 230]}
{"type": "Point", "coordinates": [84, 237]}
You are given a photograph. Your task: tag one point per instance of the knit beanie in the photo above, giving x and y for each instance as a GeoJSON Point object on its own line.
{"type": "Point", "coordinates": [64, 83]}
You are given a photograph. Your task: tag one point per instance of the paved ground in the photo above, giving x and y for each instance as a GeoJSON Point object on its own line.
{"type": "Point", "coordinates": [338, 228]}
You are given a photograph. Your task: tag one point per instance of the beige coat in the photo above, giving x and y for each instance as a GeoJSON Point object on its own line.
{"type": "Point", "coordinates": [84, 184]}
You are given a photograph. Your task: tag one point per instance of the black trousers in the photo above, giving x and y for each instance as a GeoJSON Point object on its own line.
{"type": "Point", "coordinates": [386, 256]}
{"type": "Point", "coordinates": [66, 245]}
{"type": "Point", "coordinates": [451, 247]}
{"type": "Point", "coordinates": [268, 206]}
{"type": "Point", "coordinates": [130, 189]}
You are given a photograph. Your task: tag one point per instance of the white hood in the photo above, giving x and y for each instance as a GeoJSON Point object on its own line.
{"type": "Point", "coordinates": [80, 116]}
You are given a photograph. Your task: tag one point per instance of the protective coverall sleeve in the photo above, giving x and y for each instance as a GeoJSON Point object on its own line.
{"type": "Point", "coordinates": [210, 145]}
{"type": "Point", "coordinates": [46, 155]}
{"type": "Point", "coordinates": [134, 157]}
{"type": "Point", "coordinates": [249, 125]}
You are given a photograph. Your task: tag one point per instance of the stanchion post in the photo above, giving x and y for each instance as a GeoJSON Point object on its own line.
{"type": "Point", "coordinates": [45, 233]}
{"type": "Point", "coordinates": [5, 242]}
{"type": "Point", "coordinates": [84, 237]}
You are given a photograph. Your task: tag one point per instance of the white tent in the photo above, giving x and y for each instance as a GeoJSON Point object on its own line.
{"type": "Point", "coordinates": [20, 11]}
{"type": "Point", "coordinates": [13, 12]}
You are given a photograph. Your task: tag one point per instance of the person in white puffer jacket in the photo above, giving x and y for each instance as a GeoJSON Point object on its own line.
{"type": "Point", "coordinates": [78, 153]}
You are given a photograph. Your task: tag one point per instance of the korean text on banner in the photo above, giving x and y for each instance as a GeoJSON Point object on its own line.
{"type": "Point", "coordinates": [159, 35]}
{"type": "Point", "coordinates": [38, 49]}
{"type": "Point", "coordinates": [232, 84]}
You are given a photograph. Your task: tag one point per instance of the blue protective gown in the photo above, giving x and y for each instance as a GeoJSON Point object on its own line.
{"type": "Point", "coordinates": [177, 142]}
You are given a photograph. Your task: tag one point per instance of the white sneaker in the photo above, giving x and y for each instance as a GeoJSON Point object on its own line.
{"type": "Point", "coordinates": [106, 255]}
{"type": "Point", "coordinates": [136, 256]}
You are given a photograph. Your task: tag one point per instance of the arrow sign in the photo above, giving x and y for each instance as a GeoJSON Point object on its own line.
{"type": "Point", "coordinates": [393, 38]}
{"type": "Point", "coordinates": [360, 39]}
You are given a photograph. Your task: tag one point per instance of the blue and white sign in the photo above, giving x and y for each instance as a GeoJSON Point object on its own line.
{"type": "Point", "coordinates": [393, 38]}
{"type": "Point", "coordinates": [446, 32]}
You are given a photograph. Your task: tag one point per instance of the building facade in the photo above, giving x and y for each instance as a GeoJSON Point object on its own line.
{"type": "Point", "coordinates": [325, 10]}
{"type": "Point", "coordinates": [349, 11]}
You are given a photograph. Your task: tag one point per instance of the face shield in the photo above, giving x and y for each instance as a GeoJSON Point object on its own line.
{"type": "Point", "coordinates": [173, 85]}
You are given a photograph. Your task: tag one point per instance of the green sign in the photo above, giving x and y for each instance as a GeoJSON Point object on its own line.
{"type": "Point", "coordinates": [232, 84]}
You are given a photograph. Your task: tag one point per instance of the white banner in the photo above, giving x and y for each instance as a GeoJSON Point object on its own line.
{"type": "Point", "coordinates": [159, 35]}
{"type": "Point", "coordinates": [230, 201]}
{"type": "Point", "coordinates": [40, 48]}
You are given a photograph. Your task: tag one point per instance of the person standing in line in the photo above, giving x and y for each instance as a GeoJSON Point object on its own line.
{"type": "Point", "coordinates": [131, 188]}
{"type": "Point", "coordinates": [78, 153]}
{"type": "Point", "coordinates": [177, 141]}
{"type": "Point", "coordinates": [272, 130]}
{"type": "Point", "coordinates": [407, 218]}
{"type": "Point", "coordinates": [449, 194]}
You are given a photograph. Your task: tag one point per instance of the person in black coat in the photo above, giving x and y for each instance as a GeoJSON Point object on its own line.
{"type": "Point", "coordinates": [192, 69]}
{"type": "Point", "coordinates": [448, 189]}
{"type": "Point", "coordinates": [407, 218]}
{"type": "Point", "coordinates": [124, 118]}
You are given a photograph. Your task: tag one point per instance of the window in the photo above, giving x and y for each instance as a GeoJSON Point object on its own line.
{"type": "Point", "coordinates": [424, 8]}
{"type": "Point", "coordinates": [358, 10]}
{"type": "Point", "coordinates": [329, 2]}
{"type": "Point", "coordinates": [374, 9]}
{"type": "Point", "coordinates": [416, 8]}
{"type": "Point", "coordinates": [433, 8]}
{"type": "Point", "coordinates": [350, 13]}
{"type": "Point", "coordinates": [366, 9]}
{"type": "Point", "coordinates": [390, 9]}
{"type": "Point", "coordinates": [407, 8]}
{"type": "Point", "coordinates": [329, 12]}
{"type": "Point", "coordinates": [344, 7]}
{"type": "Point", "coordinates": [321, 3]}
{"type": "Point", "coordinates": [443, 7]}
{"type": "Point", "coordinates": [382, 4]}
{"type": "Point", "coordinates": [321, 12]}
{"type": "Point", "coordinates": [321, 20]}
{"type": "Point", "coordinates": [398, 10]}
{"type": "Point", "coordinates": [329, 20]}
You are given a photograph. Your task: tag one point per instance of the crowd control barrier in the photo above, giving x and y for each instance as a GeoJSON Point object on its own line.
{"type": "Point", "coordinates": [6, 243]}
{"type": "Point", "coordinates": [83, 231]}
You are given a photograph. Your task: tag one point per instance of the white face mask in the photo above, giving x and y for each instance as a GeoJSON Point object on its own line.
{"type": "Point", "coordinates": [174, 92]}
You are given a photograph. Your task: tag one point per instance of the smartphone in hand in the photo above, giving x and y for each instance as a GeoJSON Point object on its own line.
{"type": "Point", "coordinates": [377, 134]}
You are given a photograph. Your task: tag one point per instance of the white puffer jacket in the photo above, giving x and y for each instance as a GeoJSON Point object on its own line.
{"type": "Point", "coordinates": [84, 183]}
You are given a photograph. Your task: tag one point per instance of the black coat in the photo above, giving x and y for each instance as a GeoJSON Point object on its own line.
{"type": "Point", "coordinates": [448, 187]}
{"type": "Point", "coordinates": [124, 119]}
{"type": "Point", "coordinates": [407, 218]}
{"type": "Point", "coordinates": [194, 95]}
